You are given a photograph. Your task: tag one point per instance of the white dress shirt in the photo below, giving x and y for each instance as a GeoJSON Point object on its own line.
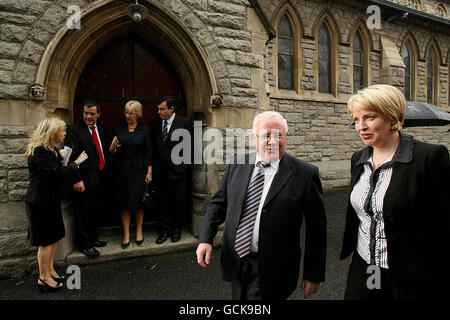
{"type": "Point", "coordinates": [269, 173]}
{"type": "Point", "coordinates": [99, 140]}
{"type": "Point", "coordinates": [169, 123]}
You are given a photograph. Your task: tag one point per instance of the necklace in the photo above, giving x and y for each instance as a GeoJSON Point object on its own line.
{"type": "Point", "coordinates": [375, 165]}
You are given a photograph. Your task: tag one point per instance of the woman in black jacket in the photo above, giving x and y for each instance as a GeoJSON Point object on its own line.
{"type": "Point", "coordinates": [398, 211]}
{"type": "Point", "coordinates": [44, 194]}
{"type": "Point", "coordinates": [132, 146]}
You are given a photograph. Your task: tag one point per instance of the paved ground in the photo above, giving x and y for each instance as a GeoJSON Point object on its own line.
{"type": "Point", "coordinates": [176, 276]}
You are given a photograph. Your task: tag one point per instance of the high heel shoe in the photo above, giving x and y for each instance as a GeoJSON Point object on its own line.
{"type": "Point", "coordinates": [125, 245]}
{"type": "Point", "coordinates": [139, 242]}
{"type": "Point", "coordinates": [59, 279]}
{"type": "Point", "coordinates": [46, 288]}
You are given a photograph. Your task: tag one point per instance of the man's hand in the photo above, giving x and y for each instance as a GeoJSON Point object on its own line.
{"type": "Point", "coordinates": [204, 254]}
{"type": "Point", "coordinates": [309, 287]}
{"type": "Point", "coordinates": [79, 186]}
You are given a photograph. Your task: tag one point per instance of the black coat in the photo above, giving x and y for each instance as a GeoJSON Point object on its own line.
{"type": "Point", "coordinates": [79, 138]}
{"type": "Point", "coordinates": [416, 211]}
{"type": "Point", "coordinates": [162, 161]}
{"type": "Point", "coordinates": [133, 158]}
{"type": "Point", "coordinates": [47, 176]}
{"type": "Point", "coordinates": [295, 194]}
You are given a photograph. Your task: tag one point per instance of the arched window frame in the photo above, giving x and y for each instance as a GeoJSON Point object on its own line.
{"type": "Point", "coordinates": [289, 12]}
{"type": "Point", "coordinates": [440, 11]}
{"type": "Point", "coordinates": [410, 41]}
{"type": "Point", "coordinates": [366, 41]}
{"type": "Point", "coordinates": [415, 4]}
{"type": "Point", "coordinates": [334, 34]}
{"type": "Point", "coordinates": [432, 51]}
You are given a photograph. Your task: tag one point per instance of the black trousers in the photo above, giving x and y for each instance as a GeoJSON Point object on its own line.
{"type": "Point", "coordinates": [246, 286]}
{"type": "Point", "coordinates": [172, 202]}
{"type": "Point", "coordinates": [87, 210]}
{"type": "Point", "coordinates": [391, 288]}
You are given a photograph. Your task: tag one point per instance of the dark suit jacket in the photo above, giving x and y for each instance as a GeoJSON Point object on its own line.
{"type": "Point", "coordinates": [416, 210]}
{"type": "Point", "coordinates": [47, 176]}
{"type": "Point", "coordinates": [162, 162]}
{"type": "Point", "coordinates": [79, 138]}
{"type": "Point", "coordinates": [135, 153]}
{"type": "Point", "coordinates": [295, 194]}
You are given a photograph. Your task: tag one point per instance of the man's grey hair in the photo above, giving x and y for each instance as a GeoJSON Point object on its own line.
{"type": "Point", "coordinates": [268, 114]}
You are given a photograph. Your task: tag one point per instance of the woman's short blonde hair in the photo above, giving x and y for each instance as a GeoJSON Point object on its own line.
{"type": "Point", "coordinates": [45, 135]}
{"type": "Point", "coordinates": [381, 98]}
{"type": "Point", "coordinates": [134, 107]}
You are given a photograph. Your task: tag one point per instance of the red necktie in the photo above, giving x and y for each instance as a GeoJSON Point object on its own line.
{"type": "Point", "coordinates": [97, 143]}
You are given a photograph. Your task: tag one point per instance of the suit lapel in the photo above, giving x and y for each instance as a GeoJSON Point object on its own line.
{"type": "Point", "coordinates": [88, 134]}
{"type": "Point", "coordinates": [281, 177]}
{"type": "Point", "coordinates": [244, 171]}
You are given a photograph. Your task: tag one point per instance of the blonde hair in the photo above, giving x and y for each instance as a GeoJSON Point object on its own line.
{"type": "Point", "coordinates": [45, 135]}
{"type": "Point", "coordinates": [135, 107]}
{"type": "Point", "coordinates": [381, 98]}
{"type": "Point", "coordinates": [268, 114]}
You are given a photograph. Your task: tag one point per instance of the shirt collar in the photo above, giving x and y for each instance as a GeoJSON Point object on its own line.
{"type": "Point", "coordinates": [170, 120]}
{"type": "Point", "coordinates": [273, 165]}
{"type": "Point", "coordinates": [404, 153]}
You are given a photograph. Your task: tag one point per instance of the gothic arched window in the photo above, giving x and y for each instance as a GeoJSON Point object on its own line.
{"type": "Point", "coordinates": [430, 77]}
{"type": "Point", "coordinates": [358, 63]}
{"type": "Point", "coordinates": [285, 54]}
{"type": "Point", "coordinates": [324, 60]}
{"type": "Point", "coordinates": [408, 71]}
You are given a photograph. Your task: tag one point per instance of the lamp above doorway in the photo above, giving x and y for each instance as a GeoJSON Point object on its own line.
{"type": "Point", "coordinates": [137, 12]}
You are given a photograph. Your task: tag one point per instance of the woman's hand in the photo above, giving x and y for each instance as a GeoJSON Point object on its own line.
{"type": "Point", "coordinates": [81, 158]}
{"type": "Point", "coordinates": [148, 177]}
{"type": "Point", "coordinates": [114, 145]}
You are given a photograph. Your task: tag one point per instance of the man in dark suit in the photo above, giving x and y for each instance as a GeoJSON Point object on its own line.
{"type": "Point", "coordinates": [88, 136]}
{"type": "Point", "coordinates": [263, 203]}
{"type": "Point", "coordinates": [170, 178]}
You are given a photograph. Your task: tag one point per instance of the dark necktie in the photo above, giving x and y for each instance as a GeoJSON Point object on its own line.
{"type": "Point", "coordinates": [164, 132]}
{"type": "Point", "coordinates": [99, 149]}
{"type": "Point", "coordinates": [249, 212]}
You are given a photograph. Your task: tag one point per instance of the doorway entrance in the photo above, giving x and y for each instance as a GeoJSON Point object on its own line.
{"type": "Point", "coordinates": [129, 68]}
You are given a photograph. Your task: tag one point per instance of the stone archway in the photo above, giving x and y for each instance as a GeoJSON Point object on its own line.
{"type": "Point", "coordinates": [69, 52]}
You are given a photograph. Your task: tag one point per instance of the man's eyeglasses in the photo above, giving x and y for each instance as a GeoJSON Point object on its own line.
{"type": "Point", "coordinates": [275, 136]}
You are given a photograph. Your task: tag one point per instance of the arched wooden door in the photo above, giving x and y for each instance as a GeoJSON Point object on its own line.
{"type": "Point", "coordinates": [126, 69]}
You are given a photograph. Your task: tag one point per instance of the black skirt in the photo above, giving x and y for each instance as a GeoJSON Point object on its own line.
{"type": "Point", "coordinates": [45, 223]}
{"type": "Point", "coordinates": [130, 188]}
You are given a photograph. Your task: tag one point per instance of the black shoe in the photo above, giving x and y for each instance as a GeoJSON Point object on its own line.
{"type": "Point", "coordinates": [99, 244]}
{"type": "Point", "coordinates": [140, 242]}
{"type": "Point", "coordinates": [90, 252]}
{"type": "Point", "coordinates": [125, 245]}
{"type": "Point", "coordinates": [163, 236]}
{"type": "Point", "coordinates": [46, 288]}
{"type": "Point", "coordinates": [176, 236]}
{"type": "Point", "coordinates": [59, 279]}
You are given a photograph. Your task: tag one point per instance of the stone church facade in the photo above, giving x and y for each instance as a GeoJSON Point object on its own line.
{"type": "Point", "coordinates": [233, 59]}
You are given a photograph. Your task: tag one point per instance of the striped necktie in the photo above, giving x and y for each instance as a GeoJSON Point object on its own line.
{"type": "Point", "coordinates": [164, 132]}
{"type": "Point", "coordinates": [250, 209]}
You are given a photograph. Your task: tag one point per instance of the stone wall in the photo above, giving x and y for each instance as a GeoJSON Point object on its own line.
{"type": "Point", "coordinates": [231, 37]}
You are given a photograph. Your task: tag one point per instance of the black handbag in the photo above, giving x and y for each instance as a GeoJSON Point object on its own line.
{"type": "Point", "coordinates": [149, 198]}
